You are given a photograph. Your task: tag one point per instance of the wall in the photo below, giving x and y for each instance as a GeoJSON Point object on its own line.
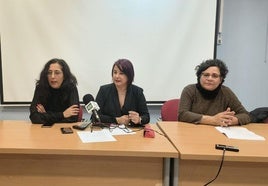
{"type": "Point", "coordinates": [244, 49]}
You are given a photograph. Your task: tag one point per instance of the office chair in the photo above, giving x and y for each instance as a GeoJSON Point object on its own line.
{"type": "Point", "coordinates": [169, 110]}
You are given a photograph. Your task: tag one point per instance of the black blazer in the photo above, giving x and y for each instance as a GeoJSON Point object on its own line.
{"type": "Point", "coordinates": [107, 99]}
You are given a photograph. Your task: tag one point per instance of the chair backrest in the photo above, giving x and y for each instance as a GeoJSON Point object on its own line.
{"type": "Point", "coordinates": [169, 110]}
{"type": "Point", "coordinates": [265, 121]}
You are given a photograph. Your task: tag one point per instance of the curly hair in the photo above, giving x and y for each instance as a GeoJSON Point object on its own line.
{"type": "Point", "coordinates": [68, 82]}
{"type": "Point", "coordinates": [210, 63]}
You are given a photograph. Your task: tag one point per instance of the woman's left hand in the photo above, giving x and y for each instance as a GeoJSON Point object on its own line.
{"type": "Point", "coordinates": [134, 117]}
{"type": "Point", "coordinates": [228, 118]}
{"type": "Point", "coordinates": [40, 108]}
{"type": "Point", "coordinates": [71, 111]}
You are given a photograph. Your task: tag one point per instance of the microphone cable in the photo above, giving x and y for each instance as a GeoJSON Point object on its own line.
{"type": "Point", "coordinates": [223, 153]}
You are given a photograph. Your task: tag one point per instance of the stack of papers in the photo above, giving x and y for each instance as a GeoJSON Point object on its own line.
{"type": "Point", "coordinates": [239, 133]}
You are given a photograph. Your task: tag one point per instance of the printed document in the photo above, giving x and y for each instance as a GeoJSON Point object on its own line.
{"type": "Point", "coordinates": [239, 133]}
{"type": "Point", "coordinates": [95, 136]}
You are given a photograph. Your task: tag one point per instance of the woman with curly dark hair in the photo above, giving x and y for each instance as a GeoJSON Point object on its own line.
{"type": "Point", "coordinates": [56, 98]}
{"type": "Point", "coordinates": [209, 101]}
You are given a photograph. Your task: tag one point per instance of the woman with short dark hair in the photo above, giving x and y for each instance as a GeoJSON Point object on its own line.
{"type": "Point", "coordinates": [209, 101]}
{"type": "Point", "coordinates": [122, 102]}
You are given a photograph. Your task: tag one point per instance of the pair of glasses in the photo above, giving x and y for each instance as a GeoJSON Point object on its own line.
{"type": "Point", "coordinates": [56, 73]}
{"type": "Point", "coordinates": [119, 126]}
{"type": "Point", "coordinates": [213, 76]}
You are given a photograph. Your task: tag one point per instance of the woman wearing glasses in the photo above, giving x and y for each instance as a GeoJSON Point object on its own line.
{"type": "Point", "coordinates": [209, 101]}
{"type": "Point", "coordinates": [122, 102]}
{"type": "Point", "coordinates": [56, 97]}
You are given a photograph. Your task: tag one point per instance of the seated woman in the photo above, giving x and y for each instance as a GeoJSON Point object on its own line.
{"type": "Point", "coordinates": [122, 102]}
{"type": "Point", "coordinates": [210, 102]}
{"type": "Point", "coordinates": [56, 97]}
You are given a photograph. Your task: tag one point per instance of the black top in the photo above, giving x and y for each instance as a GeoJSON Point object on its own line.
{"type": "Point", "coordinates": [107, 99]}
{"type": "Point", "coordinates": [55, 105]}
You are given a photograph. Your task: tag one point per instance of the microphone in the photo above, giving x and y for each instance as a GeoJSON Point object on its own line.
{"type": "Point", "coordinates": [87, 98]}
{"type": "Point", "coordinates": [91, 106]}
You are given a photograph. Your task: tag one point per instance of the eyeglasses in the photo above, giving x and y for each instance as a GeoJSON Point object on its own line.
{"type": "Point", "coordinates": [213, 76]}
{"type": "Point", "coordinates": [121, 126]}
{"type": "Point", "coordinates": [56, 73]}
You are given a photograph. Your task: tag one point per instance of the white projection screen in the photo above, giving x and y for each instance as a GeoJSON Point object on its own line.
{"type": "Point", "coordinates": [164, 39]}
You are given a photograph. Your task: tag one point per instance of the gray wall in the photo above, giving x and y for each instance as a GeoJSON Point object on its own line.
{"type": "Point", "coordinates": [243, 48]}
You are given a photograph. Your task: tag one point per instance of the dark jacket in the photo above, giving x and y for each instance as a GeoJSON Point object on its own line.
{"type": "Point", "coordinates": [258, 115]}
{"type": "Point", "coordinates": [107, 99]}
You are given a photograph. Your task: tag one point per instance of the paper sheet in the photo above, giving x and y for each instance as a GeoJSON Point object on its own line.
{"type": "Point", "coordinates": [239, 133]}
{"type": "Point", "coordinates": [95, 136]}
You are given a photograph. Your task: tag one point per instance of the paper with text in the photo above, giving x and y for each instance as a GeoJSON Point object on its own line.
{"type": "Point", "coordinates": [96, 136]}
{"type": "Point", "coordinates": [239, 133]}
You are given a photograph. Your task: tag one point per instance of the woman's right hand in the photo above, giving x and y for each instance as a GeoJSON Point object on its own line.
{"type": "Point", "coordinates": [123, 120]}
{"type": "Point", "coordinates": [226, 118]}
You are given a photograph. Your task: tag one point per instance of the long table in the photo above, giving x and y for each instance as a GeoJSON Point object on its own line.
{"type": "Point", "coordinates": [31, 155]}
{"type": "Point", "coordinates": [199, 161]}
